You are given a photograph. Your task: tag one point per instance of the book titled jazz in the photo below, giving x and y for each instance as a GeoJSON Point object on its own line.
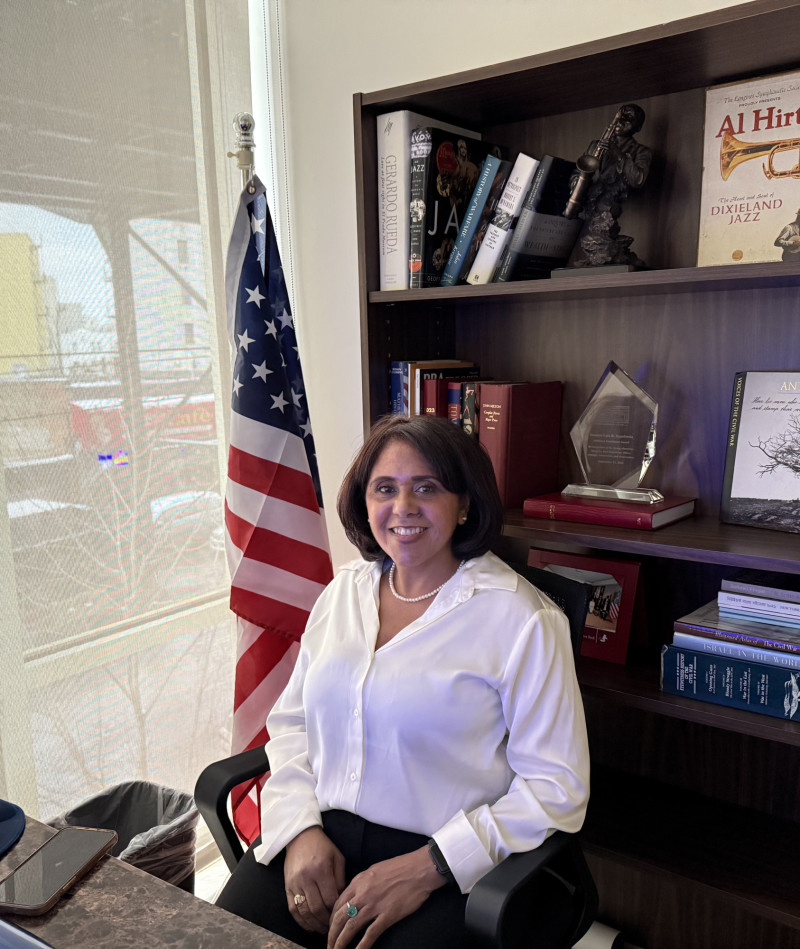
{"type": "Point", "coordinates": [444, 171]}
{"type": "Point", "coordinates": [519, 427]}
{"type": "Point", "coordinates": [736, 683]}
{"type": "Point", "coordinates": [559, 507]}
{"type": "Point", "coordinates": [394, 187]}
{"type": "Point", "coordinates": [707, 621]}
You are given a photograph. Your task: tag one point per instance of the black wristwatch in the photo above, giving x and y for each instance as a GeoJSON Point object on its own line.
{"type": "Point", "coordinates": [439, 862]}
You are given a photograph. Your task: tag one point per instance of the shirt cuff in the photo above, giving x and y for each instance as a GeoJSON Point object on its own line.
{"type": "Point", "coordinates": [462, 849]}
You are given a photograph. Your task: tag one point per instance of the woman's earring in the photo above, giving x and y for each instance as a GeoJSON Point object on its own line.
{"type": "Point", "coordinates": [462, 519]}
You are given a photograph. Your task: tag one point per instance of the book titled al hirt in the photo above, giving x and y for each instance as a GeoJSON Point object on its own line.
{"type": "Point", "coordinates": [761, 481]}
{"type": "Point", "coordinates": [504, 220]}
{"type": "Point", "coordinates": [394, 190]}
{"type": "Point", "coordinates": [444, 171]}
{"type": "Point", "coordinates": [543, 238]}
{"type": "Point", "coordinates": [708, 622]}
{"type": "Point", "coordinates": [749, 198]}
{"type": "Point", "coordinates": [560, 507]}
{"type": "Point", "coordinates": [736, 683]}
{"type": "Point", "coordinates": [476, 219]}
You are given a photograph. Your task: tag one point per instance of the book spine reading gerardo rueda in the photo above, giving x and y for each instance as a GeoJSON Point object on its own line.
{"type": "Point", "coordinates": [476, 219]}
{"type": "Point", "coordinates": [543, 238]}
{"type": "Point", "coordinates": [444, 171]}
{"type": "Point", "coordinates": [736, 683]}
{"type": "Point", "coordinates": [394, 183]}
{"type": "Point", "coordinates": [504, 220]}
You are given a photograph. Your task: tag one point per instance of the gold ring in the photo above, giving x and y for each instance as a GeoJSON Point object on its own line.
{"type": "Point", "coordinates": [299, 899]}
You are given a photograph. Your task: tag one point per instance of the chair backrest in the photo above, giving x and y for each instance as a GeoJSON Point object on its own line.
{"type": "Point", "coordinates": [571, 596]}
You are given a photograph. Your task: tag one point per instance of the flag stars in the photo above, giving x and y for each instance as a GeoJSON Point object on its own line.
{"type": "Point", "coordinates": [244, 340]}
{"type": "Point", "coordinates": [272, 329]}
{"type": "Point", "coordinates": [255, 296]}
{"type": "Point", "coordinates": [261, 372]}
{"type": "Point", "coordinates": [278, 402]}
{"type": "Point", "coordinates": [236, 386]}
{"type": "Point", "coordinates": [285, 318]}
{"type": "Point", "coordinates": [296, 396]}
{"type": "Point", "coordinates": [255, 224]}
{"type": "Point", "coordinates": [305, 428]}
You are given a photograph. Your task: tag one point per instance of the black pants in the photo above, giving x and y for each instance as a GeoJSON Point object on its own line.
{"type": "Point", "coordinates": [257, 893]}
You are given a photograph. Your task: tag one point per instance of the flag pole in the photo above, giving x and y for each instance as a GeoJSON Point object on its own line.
{"type": "Point", "coordinates": [243, 124]}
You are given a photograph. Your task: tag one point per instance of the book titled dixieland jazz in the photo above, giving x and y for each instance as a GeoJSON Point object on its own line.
{"type": "Point", "coordinates": [750, 197]}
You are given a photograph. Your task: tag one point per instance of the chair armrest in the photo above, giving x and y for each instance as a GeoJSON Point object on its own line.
{"type": "Point", "coordinates": [489, 906]}
{"type": "Point", "coordinates": [211, 792]}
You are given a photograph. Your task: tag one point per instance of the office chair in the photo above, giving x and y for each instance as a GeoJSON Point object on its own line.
{"type": "Point", "coordinates": [543, 899]}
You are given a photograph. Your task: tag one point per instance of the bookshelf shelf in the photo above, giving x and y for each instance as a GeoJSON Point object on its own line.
{"type": "Point", "coordinates": [689, 875]}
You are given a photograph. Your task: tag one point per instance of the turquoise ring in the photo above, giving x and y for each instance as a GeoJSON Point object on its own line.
{"type": "Point", "coordinates": [352, 910]}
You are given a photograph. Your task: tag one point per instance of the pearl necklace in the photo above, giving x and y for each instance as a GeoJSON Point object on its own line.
{"type": "Point", "coordinates": [425, 596]}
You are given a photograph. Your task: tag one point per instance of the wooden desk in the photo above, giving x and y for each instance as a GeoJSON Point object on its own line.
{"type": "Point", "coordinates": [118, 906]}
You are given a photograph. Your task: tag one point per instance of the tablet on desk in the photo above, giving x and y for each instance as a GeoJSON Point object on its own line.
{"type": "Point", "coordinates": [35, 886]}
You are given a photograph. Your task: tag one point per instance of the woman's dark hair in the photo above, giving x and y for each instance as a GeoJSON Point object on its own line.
{"type": "Point", "coordinates": [458, 460]}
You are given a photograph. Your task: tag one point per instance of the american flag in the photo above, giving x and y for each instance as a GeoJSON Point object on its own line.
{"type": "Point", "coordinates": [277, 544]}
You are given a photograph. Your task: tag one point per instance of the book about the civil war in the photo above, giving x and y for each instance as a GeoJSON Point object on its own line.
{"type": "Point", "coordinates": [750, 197]}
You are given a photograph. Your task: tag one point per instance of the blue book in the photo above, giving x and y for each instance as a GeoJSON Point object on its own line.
{"type": "Point", "coordinates": [486, 194]}
{"type": "Point", "coordinates": [771, 619]}
{"type": "Point", "coordinates": [397, 386]}
{"type": "Point", "coordinates": [720, 647]}
{"type": "Point", "coordinates": [736, 683]}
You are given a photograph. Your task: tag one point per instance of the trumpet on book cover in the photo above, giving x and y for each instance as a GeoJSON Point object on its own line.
{"type": "Point", "coordinates": [750, 198]}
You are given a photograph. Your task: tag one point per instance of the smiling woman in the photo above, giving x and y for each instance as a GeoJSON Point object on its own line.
{"type": "Point", "coordinates": [432, 724]}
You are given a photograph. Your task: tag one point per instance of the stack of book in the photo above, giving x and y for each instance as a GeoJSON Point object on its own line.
{"type": "Point", "coordinates": [742, 649]}
{"type": "Point", "coordinates": [453, 210]}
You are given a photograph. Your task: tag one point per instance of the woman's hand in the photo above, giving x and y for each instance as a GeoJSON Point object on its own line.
{"type": "Point", "coordinates": [314, 869]}
{"type": "Point", "coordinates": [385, 893]}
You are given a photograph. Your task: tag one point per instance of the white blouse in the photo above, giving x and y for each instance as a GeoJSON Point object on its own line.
{"type": "Point", "coordinates": [467, 726]}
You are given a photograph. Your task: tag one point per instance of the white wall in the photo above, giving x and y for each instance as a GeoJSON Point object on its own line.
{"type": "Point", "coordinates": [333, 48]}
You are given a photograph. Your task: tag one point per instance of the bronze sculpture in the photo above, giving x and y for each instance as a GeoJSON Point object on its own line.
{"type": "Point", "coordinates": [610, 167]}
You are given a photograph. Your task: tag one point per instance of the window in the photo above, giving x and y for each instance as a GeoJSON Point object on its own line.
{"type": "Point", "coordinates": [117, 643]}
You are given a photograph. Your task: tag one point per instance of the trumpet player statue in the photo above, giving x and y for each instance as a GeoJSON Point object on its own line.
{"type": "Point", "coordinates": [611, 166]}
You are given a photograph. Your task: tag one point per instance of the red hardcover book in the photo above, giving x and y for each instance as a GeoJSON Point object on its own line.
{"type": "Point", "coordinates": [559, 507]}
{"type": "Point", "coordinates": [435, 394]}
{"type": "Point", "coordinates": [519, 427]}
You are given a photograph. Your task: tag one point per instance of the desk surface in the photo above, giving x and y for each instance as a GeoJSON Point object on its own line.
{"type": "Point", "coordinates": [118, 906]}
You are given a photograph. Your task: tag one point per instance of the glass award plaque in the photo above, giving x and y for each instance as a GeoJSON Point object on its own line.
{"type": "Point", "coordinates": [615, 440]}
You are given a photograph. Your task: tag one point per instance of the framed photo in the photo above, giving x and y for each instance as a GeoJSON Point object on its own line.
{"type": "Point", "coordinates": [613, 583]}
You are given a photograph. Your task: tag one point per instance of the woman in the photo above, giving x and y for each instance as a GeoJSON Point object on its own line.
{"type": "Point", "coordinates": [432, 724]}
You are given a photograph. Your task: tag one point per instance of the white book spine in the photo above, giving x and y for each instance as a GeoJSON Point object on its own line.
{"type": "Point", "coordinates": [756, 604]}
{"type": "Point", "coordinates": [394, 187]}
{"type": "Point", "coordinates": [505, 217]}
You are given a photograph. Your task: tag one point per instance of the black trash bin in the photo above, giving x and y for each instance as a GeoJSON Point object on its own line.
{"type": "Point", "coordinates": [157, 827]}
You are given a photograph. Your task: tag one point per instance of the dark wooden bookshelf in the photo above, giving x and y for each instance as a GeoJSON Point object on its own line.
{"type": "Point", "coordinates": [709, 863]}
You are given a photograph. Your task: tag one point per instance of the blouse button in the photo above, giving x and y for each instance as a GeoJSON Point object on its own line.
{"type": "Point", "coordinates": [353, 776]}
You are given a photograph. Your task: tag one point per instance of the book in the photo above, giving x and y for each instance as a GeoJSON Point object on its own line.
{"type": "Point", "coordinates": [778, 586]}
{"type": "Point", "coordinates": [783, 610]}
{"type": "Point", "coordinates": [468, 406]}
{"type": "Point", "coordinates": [454, 402]}
{"type": "Point", "coordinates": [543, 238]}
{"type": "Point", "coordinates": [494, 173]}
{"type": "Point", "coordinates": [760, 487]}
{"type": "Point", "coordinates": [720, 647]}
{"type": "Point", "coordinates": [737, 683]}
{"type": "Point", "coordinates": [560, 507]}
{"type": "Point", "coordinates": [504, 220]}
{"type": "Point", "coordinates": [434, 394]}
{"type": "Point", "coordinates": [398, 398]}
{"type": "Point", "coordinates": [444, 171]}
{"type": "Point", "coordinates": [748, 197]}
{"type": "Point", "coordinates": [435, 369]}
{"type": "Point", "coordinates": [759, 617]}
{"type": "Point", "coordinates": [519, 427]}
{"type": "Point", "coordinates": [708, 622]}
{"type": "Point", "coordinates": [394, 190]}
